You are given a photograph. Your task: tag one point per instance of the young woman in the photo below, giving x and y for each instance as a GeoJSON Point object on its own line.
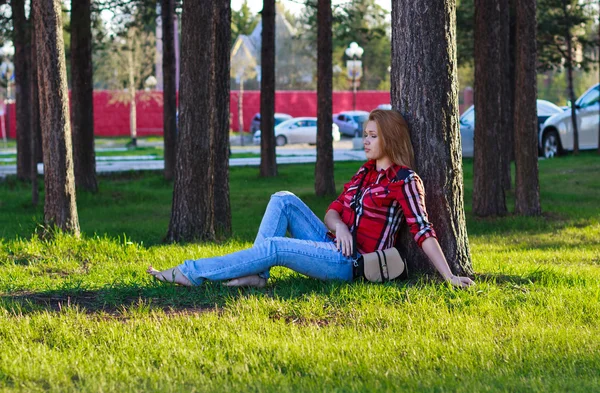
{"type": "Point", "coordinates": [389, 193]}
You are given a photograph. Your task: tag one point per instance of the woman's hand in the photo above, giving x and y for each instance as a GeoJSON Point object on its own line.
{"type": "Point", "coordinates": [459, 281]}
{"type": "Point", "coordinates": [343, 239]}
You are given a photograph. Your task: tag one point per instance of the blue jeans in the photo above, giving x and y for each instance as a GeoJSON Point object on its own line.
{"type": "Point", "coordinates": [310, 250]}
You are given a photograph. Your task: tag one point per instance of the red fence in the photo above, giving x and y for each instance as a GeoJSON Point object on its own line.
{"type": "Point", "coordinates": [112, 118]}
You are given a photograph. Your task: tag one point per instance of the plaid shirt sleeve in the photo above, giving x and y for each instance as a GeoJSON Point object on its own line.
{"type": "Point", "coordinates": [412, 199]}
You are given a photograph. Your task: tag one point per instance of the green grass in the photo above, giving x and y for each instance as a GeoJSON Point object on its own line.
{"type": "Point", "coordinates": [81, 315]}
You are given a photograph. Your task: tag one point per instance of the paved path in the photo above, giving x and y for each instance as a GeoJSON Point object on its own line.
{"type": "Point", "coordinates": [285, 155]}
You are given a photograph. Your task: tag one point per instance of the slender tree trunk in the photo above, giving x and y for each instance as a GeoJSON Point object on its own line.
{"type": "Point", "coordinates": [169, 89]}
{"type": "Point", "coordinates": [82, 96]}
{"type": "Point", "coordinates": [132, 103]}
{"type": "Point", "coordinates": [192, 215]}
{"type": "Point", "coordinates": [241, 110]}
{"type": "Point", "coordinates": [268, 163]}
{"type": "Point", "coordinates": [425, 90]}
{"type": "Point", "coordinates": [324, 180]}
{"type": "Point", "coordinates": [21, 88]}
{"type": "Point", "coordinates": [220, 116]}
{"type": "Point", "coordinates": [490, 63]}
{"type": "Point", "coordinates": [569, 65]}
{"type": "Point", "coordinates": [35, 133]}
{"type": "Point", "coordinates": [60, 208]}
{"type": "Point", "coordinates": [527, 189]}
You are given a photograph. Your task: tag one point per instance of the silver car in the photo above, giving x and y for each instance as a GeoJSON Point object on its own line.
{"type": "Point", "coordinates": [545, 109]}
{"type": "Point", "coordinates": [298, 130]}
{"type": "Point", "coordinates": [351, 122]}
{"type": "Point", "coordinates": [557, 132]}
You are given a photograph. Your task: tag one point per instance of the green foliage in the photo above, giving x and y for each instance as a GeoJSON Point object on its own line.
{"type": "Point", "coordinates": [242, 21]}
{"type": "Point", "coordinates": [92, 320]}
{"type": "Point", "coordinates": [561, 20]}
{"type": "Point", "coordinates": [360, 21]}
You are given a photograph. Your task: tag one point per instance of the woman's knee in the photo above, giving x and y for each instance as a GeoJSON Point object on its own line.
{"type": "Point", "coordinates": [285, 197]}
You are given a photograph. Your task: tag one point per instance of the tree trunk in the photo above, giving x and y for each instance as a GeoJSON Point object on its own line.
{"type": "Point", "coordinates": [490, 63]}
{"type": "Point", "coordinates": [22, 90]}
{"type": "Point", "coordinates": [509, 94]}
{"type": "Point", "coordinates": [425, 90]}
{"type": "Point", "coordinates": [220, 116]}
{"type": "Point", "coordinates": [169, 89]}
{"type": "Point", "coordinates": [132, 103]}
{"type": "Point", "coordinates": [60, 208]}
{"type": "Point", "coordinates": [192, 216]}
{"type": "Point", "coordinates": [35, 133]}
{"type": "Point", "coordinates": [527, 189]}
{"type": "Point", "coordinates": [324, 180]}
{"type": "Point", "coordinates": [268, 163]}
{"type": "Point", "coordinates": [82, 96]}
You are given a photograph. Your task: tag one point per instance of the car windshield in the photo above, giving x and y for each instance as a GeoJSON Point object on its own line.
{"type": "Point", "coordinates": [279, 120]}
{"type": "Point", "coordinates": [468, 118]}
{"type": "Point", "coordinates": [360, 119]}
{"type": "Point", "coordinates": [286, 123]}
{"type": "Point", "coordinates": [546, 108]}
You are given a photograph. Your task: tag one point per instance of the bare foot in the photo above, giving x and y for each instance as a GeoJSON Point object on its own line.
{"type": "Point", "coordinates": [173, 275]}
{"type": "Point", "coordinates": [247, 281]}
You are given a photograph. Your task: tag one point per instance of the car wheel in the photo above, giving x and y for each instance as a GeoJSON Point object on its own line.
{"type": "Point", "coordinates": [280, 140]}
{"type": "Point", "coordinates": [550, 144]}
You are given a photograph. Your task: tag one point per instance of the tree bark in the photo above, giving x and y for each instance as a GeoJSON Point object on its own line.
{"type": "Point", "coordinates": [220, 116]}
{"type": "Point", "coordinates": [169, 88]}
{"type": "Point", "coordinates": [324, 179]}
{"type": "Point", "coordinates": [22, 90]}
{"type": "Point", "coordinates": [425, 90]}
{"type": "Point", "coordinates": [82, 96]}
{"type": "Point", "coordinates": [192, 216]}
{"type": "Point", "coordinates": [35, 132]}
{"type": "Point", "coordinates": [527, 189]}
{"type": "Point", "coordinates": [60, 208]}
{"type": "Point", "coordinates": [268, 163]}
{"type": "Point", "coordinates": [490, 65]}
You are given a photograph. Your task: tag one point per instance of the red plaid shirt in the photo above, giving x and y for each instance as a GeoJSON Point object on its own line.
{"type": "Point", "coordinates": [386, 198]}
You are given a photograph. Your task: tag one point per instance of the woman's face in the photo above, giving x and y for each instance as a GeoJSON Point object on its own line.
{"type": "Point", "coordinates": [372, 142]}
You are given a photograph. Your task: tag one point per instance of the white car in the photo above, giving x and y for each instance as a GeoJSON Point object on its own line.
{"type": "Point", "coordinates": [545, 109]}
{"type": "Point", "coordinates": [557, 131]}
{"type": "Point", "coordinates": [298, 130]}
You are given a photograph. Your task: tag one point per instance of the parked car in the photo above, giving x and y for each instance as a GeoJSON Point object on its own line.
{"type": "Point", "coordinates": [279, 118]}
{"type": "Point", "coordinates": [298, 130]}
{"type": "Point", "coordinates": [351, 122]}
{"type": "Point", "coordinates": [556, 136]}
{"type": "Point", "coordinates": [385, 107]}
{"type": "Point", "coordinates": [545, 109]}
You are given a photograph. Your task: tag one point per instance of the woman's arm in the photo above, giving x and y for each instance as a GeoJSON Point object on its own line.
{"type": "Point", "coordinates": [343, 237]}
{"type": "Point", "coordinates": [436, 256]}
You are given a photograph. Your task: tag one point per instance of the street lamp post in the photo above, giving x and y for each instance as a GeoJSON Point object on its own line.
{"type": "Point", "coordinates": [355, 52]}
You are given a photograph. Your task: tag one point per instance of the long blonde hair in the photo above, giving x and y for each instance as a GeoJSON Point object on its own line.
{"type": "Point", "coordinates": [395, 138]}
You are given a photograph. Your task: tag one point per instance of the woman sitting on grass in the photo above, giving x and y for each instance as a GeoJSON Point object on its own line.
{"type": "Point", "coordinates": [388, 191]}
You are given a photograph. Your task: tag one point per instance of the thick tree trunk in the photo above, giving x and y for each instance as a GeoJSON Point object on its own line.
{"type": "Point", "coordinates": [169, 89]}
{"type": "Point", "coordinates": [324, 180]}
{"type": "Point", "coordinates": [425, 90]}
{"type": "Point", "coordinates": [527, 189]}
{"type": "Point", "coordinates": [490, 63]}
{"type": "Point", "coordinates": [268, 163]}
{"type": "Point", "coordinates": [22, 90]}
{"type": "Point", "coordinates": [82, 96]}
{"type": "Point", "coordinates": [192, 216]}
{"type": "Point", "coordinates": [35, 133]}
{"type": "Point", "coordinates": [60, 208]}
{"type": "Point", "coordinates": [509, 92]}
{"type": "Point", "coordinates": [220, 116]}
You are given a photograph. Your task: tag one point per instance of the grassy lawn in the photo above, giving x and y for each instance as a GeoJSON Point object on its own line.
{"type": "Point", "coordinates": [81, 315]}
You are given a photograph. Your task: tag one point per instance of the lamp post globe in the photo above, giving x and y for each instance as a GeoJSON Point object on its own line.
{"type": "Point", "coordinates": [354, 52]}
